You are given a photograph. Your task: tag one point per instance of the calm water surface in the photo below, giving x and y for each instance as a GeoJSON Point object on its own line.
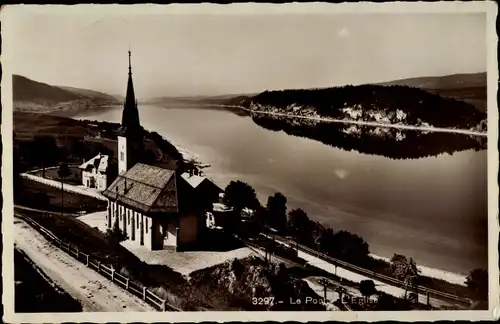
{"type": "Point", "coordinates": [433, 209]}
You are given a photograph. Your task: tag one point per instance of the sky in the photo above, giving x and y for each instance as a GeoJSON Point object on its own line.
{"type": "Point", "coordinates": [208, 54]}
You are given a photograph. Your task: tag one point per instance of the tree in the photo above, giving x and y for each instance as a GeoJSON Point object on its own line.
{"type": "Point", "coordinates": [406, 270]}
{"type": "Point", "coordinates": [115, 233]}
{"type": "Point", "coordinates": [350, 247]}
{"type": "Point", "coordinates": [149, 157]}
{"type": "Point", "coordinates": [326, 240]}
{"type": "Point", "coordinates": [239, 195]}
{"type": "Point", "coordinates": [367, 288]}
{"type": "Point", "coordinates": [477, 282]}
{"type": "Point", "coordinates": [276, 205]}
{"type": "Point", "coordinates": [63, 173]}
{"type": "Point", "coordinates": [46, 151]}
{"type": "Point", "coordinates": [299, 226]}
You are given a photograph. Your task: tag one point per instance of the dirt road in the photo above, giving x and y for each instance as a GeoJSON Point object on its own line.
{"type": "Point", "coordinates": [94, 292]}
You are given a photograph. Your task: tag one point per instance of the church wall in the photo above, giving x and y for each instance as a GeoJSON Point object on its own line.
{"type": "Point", "coordinates": [188, 229]}
{"type": "Point", "coordinates": [122, 154]}
{"type": "Point", "coordinates": [122, 221]}
{"type": "Point", "coordinates": [130, 227]}
{"type": "Point", "coordinates": [171, 234]}
{"type": "Point", "coordinates": [156, 234]}
{"type": "Point", "coordinates": [147, 232]}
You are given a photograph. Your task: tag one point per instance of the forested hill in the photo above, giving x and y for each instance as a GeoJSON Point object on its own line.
{"type": "Point", "coordinates": [394, 104]}
{"type": "Point", "coordinates": [470, 88]}
{"type": "Point", "coordinates": [34, 96]}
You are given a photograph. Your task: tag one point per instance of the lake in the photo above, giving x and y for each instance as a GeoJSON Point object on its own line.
{"type": "Point", "coordinates": [433, 209]}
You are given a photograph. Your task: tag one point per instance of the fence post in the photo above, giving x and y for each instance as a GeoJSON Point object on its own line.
{"type": "Point", "coordinates": [87, 260]}
{"type": "Point", "coordinates": [144, 293]}
{"type": "Point", "coordinates": [163, 305]}
{"type": "Point", "coordinates": [126, 283]}
{"type": "Point", "coordinates": [77, 253]}
{"type": "Point", "coordinates": [98, 266]}
{"type": "Point", "coordinates": [112, 274]}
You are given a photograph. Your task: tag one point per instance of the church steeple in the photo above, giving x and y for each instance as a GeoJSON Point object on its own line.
{"type": "Point", "coordinates": [130, 134]}
{"type": "Point", "coordinates": [130, 117]}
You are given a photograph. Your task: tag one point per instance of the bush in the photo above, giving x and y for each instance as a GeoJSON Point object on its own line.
{"type": "Point", "coordinates": [168, 296]}
{"type": "Point", "coordinates": [116, 234]}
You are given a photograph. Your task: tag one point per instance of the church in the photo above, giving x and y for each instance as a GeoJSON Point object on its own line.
{"type": "Point", "coordinates": [155, 207]}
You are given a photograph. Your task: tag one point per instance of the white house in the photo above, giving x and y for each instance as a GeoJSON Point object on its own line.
{"type": "Point", "coordinates": [94, 172]}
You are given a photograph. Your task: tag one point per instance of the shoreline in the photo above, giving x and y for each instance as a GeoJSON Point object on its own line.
{"type": "Point", "coordinates": [436, 273]}
{"type": "Point", "coordinates": [365, 123]}
{"type": "Point", "coordinates": [448, 276]}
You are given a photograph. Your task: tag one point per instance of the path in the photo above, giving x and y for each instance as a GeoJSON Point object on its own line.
{"type": "Point", "coordinates": [67, 187]}
{"type": "Point", "coordinates": [94, 292]}
{"type": "Point", "coordinates": [385, 287]}
{"type": "Point", "coordinates": [332, 120]}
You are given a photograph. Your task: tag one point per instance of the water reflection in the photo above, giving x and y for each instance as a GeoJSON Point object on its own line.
{"type": "Point", "coordinates": [392, 143]}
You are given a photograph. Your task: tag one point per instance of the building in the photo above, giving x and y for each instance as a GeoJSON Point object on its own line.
{"type": "Point", "coordinates": [131, 133]}
{"type": "Point", "coordinates": [155, 207]}
{"type": "Point", "coordinates": [206, 191]}
{"type": "Point", "coordinates": [95, 172]}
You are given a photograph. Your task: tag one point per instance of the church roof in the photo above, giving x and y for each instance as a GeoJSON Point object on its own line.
{"type": "Point", "coordinates": [100, 161]}
{"type": "Point", "coordinates": [130, 116]}
{"type": "Point", "coordinates": [146, 188]}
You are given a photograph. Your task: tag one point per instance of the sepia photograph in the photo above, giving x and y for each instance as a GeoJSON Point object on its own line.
{"type": "Point", "coordinates": [272, 159]}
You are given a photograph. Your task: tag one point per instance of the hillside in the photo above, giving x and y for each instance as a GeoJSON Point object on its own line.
{"type": "Point", "coordinates": [470, 88]}
{"type": "Point", "coordinates": [25, 89]}
{"type": "Point", "coordinates": [90, 93]}
{"type": "Point", "coordinates": [34, 96]}
{"type": "Point", "coordinates": [454, 81]}
{"type": "Point", "coordinates": [394, 104]}
{"type": "Point", "coordinates": [253, 284]}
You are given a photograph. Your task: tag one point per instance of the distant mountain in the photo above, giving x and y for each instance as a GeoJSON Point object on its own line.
{"type": "Point", "coordinates": [90, 93]}
{"type": "Point", "coordinates": [28, 90]}
{"type": "Point", "coordinates": [470, 88]}
{"type": "Point", "coordinates": [454, 81]}
{"type": "Point", "coordinates": [34, 96]}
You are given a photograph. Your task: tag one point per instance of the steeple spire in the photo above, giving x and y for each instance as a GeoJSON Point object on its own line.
{"type": "Point", "coordinates": [129, 63]}
{"type": "Point", "coordinates": [130, 117]}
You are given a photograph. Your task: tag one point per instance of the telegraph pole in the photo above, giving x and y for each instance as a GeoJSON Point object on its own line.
{"type": "Point", "coordinates": [324, 282]}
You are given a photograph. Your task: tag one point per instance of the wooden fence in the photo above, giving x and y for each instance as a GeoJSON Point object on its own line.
{"type": "Point", "coordinates": [365, 272]}
{"type": "Point", "coordinates": [135, 288]}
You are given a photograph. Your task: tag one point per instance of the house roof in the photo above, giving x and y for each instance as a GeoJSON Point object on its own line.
{"type": "Point", "coordinates": [146, 188]}
{"type": "Point", "coordinates": [193, 180]}
{"type": "Point", "coordinates": [100, 161]}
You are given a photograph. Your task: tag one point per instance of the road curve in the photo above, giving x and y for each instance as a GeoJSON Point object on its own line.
{"type": "Point", "coordinates": [94, 292]}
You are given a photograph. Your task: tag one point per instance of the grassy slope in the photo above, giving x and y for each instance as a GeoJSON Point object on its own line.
{"type": "Point", "coordinates": [34, 96]}
{"type": "Point", "coordinates": [27, 125]}
{"type": "Point", "coordinates": [40, 196]}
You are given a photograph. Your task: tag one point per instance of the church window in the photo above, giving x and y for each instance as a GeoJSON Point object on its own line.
{"type": "Point", "coordinates": [146, 224]}
{"type": "Point", "coordinates": [122, 156]}
{"type": "Point", "coordinates": [137, 220]}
